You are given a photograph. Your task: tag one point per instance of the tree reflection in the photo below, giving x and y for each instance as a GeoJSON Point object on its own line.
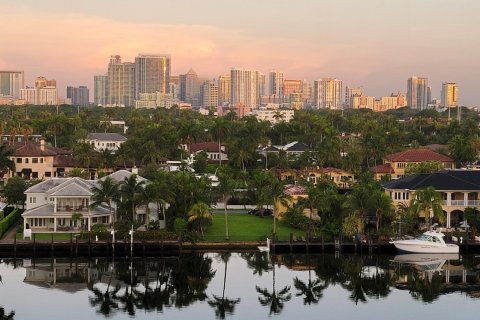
{"type": "Point", "coordinates": [312, 291]}
{"type": "Point", "coordinates": [105, 300]}
{"type": "Point", "coordinates": [275, 300]}
{"type": "Point", "coordinates": [257, 261]}
{"type": "Point", "coordinates": [221, 304]}
{"type": "Point", "coordinates": [427, 286]}
{"type": "Point", "coordinates": [5, 316]}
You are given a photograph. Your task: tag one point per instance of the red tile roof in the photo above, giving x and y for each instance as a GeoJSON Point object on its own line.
{"type": "Point", "coordinates": [383, 168]}
{"type": "Point", "coordinates": [294, 189]}
{"type": "Point", "coordinates": [33, 149]}
{"type": "Point", "coordinates": [205, 146]}
{"type": "Point", "coordinates": [417, 155]}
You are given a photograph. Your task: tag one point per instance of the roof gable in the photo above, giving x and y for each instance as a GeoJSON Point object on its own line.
{"type": "Point", "coordinates": [417, 155]}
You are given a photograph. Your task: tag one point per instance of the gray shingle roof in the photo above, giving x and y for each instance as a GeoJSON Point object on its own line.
{"type": "Point", "coordinates": [446, 180]}
{"type": "Point", "coordinates": [106, 136]}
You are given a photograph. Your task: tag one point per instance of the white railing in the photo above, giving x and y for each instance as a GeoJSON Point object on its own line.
{"type": "Point", "coordinates": [457, 203]}
{"type": "Point", "coordinates": [473, 203]}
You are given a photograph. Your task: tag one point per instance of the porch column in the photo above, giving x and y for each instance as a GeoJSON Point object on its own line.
{"type": "Point", "coordinates": [54, 224]}
{"type": "Point", "coordinates": [89, 226]}
{"type": "Point", "coordinates": [465, 199]}
{"type": "Point", "coordinates": [449, 199]}
{"type": "Point", "coordinates": [448, 219]}
{"type": "Point", "coordinates": [55, 205]}
{"type": "Point", "coordinates": [25, 223]}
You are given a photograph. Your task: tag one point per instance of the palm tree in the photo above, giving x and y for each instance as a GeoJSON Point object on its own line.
{"type": "Point", "coordinates": [148, 195]}
{"type": "Point", "coordinates": [131, 188]}
{"type": "Point", "coordinates": [5, 162]}
{"type": "Point", "coordinates": [221, 304]}
{"type": "Point", "coordinates": [428, 201]}
{"type": "Point", "coordinates": [278, 197]}
{"type": "Point", "coordinates": [383, 206]}
{"type": "Point", "coordinates": [106, 300]}
{"type": "Point", "coordinates": [106, 191]}
{"type": "Point", "coordinates": [275, 299]}
{"type": "Point", "coordinates": [225, 187]}
{"type": "Point", "coordinates": [199, 213]}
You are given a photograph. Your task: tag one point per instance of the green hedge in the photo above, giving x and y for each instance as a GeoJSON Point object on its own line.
{"type": "Point", "coordinates": [9, 221]}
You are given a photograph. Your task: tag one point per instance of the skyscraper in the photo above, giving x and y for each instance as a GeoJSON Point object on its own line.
{"type": "Point", "coordinates": [209, 94]}
{"type": "Point", "coordinates": [121, 82]}
{"type": "Point", "coordinates": [11, 82]}
{"type": "Point", "coordinates": [190, 88]}
{"type": "Point", "coordinates": [449, 94]}
{"type": "Point", "coordinates": [417, 93]}
{"type": "Point", "coordinates": [351, 92]}
{"type": "Point", "coordinates": [275, 83]}
{"type": "Point", "coordinates": [78, 96]}
{"type": "Point", "coordinates": [223, 89]}
{"type": "Point", "coordinates": [152, 73]}
{"type": "Point", "coordinates": [327, 93]}
{"type": "Point", "coordinates": [100, 90]}
{"type": "Point", "coordinates": [244, 87]}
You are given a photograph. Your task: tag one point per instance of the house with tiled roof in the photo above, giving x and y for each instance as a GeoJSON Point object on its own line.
{"type": "Point", "coordinates": [395, 164]}
{"type": "Point", "coordinates": [34, 159]}
{"type": "Point", "coordinates": [295, 194]}
{"type": "Point", "coordinates": [214, 151]}
{"type": "Point", "coordinates": [459, 190]}
{"type": "Point", "coordinates": [105, 140]}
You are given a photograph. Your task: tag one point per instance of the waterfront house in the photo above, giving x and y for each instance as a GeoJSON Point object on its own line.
{"type": "Point", "coordinates": [342, 178]}
{"type": "Point", "coordinates": [215, 152]}
{"type": "Point", "coordinates": [292, 150]}
{"type": "Point", "coordinates": [63, 205]}
{"type": "Point", "coordinates": [395, 164]}
{"type": "Point", "coordinates": [459, 189]}
{"type": "Point", "coordinates": [102, 141]}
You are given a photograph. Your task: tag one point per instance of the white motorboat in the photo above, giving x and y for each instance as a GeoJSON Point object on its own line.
{"type": "Point", "coordinates": [428, 242]}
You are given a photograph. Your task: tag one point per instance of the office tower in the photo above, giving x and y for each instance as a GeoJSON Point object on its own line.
{"type": "Point", "coordinates": [78, 96]}
{"type": "Point", "coordinates": [121, 82]}
{"type": "Point", "coordinates": [351, 92]}
{"type": "Point", "coordinates": [244, 87]}
{"type": "Point", "coordinates": [152, 73]}
{"type": "Point", "coordinates": [261, 86]}
{"type": "Point", "coordinates": [417, 93]}
{"type": "Point", "coordinates": [11, 82]}
{"type": "Point", "coordinates": [100, 90]}
{"type": "Point", "coordinates": [41, 82]}
{"type": "Point", "coordinates": [44, 93]}
{"type": "Point", "coordinates": [223, 89]}
{"type": "Point", "coordinates": [190, 88]}
{"type": "Point", "coordinates": [209, 94]}
{"type": "Point", "coordinates": [449, 94]}
{"type": "Point", "coordinates": [362, 102]}
{"type": "Point", "coordinates": [327, 93]}
{"type": "Point", "coordinates": [275, 83]}
{"type": "Point", "coordinates": [292, 86]}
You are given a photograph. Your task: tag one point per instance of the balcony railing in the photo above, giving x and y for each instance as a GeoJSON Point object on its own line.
{"type": "Point", "coordinates": [72, 209]}
{"type": "Point", "coordinates": [461, 203]}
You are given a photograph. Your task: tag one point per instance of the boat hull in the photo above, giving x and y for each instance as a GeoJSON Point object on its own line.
{"type": "Point", "coordinates": [415, 247]}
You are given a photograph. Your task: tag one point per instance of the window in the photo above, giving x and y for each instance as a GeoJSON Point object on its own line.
{"type": "Point", "coordinates": [34, 175]}
{"type": "Point", "coordinates": [19, 160]}
{"type": "Point", "coordinates": [26, 160]}
{"type": "Point", "coordinates": [34, 160]}
{"type": "Point", "coordinates": [41, 160]}
{"type": "Point", "coordinates": [48, 174]}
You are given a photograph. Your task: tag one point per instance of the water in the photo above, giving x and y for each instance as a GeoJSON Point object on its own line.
{"type": "Point", "coordinates": [256, 286]}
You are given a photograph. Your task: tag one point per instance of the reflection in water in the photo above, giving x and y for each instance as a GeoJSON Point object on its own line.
{"type": "Point", "coordinates": [131, 286]}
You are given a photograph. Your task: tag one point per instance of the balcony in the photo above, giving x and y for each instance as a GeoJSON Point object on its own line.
{"type": "Point", "coordinates": [72, 209]}
{"type": "Point", "coordinates": [461, 203]}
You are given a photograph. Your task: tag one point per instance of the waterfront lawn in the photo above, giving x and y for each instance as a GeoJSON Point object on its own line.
{"type": "Point", "coordinates": [245, 227]}
{"type": "Point", "coordinates": [47, 236]}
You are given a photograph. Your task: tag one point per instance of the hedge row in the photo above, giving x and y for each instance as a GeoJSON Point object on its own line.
{"type": "Point", "coordinates": [9, 221]}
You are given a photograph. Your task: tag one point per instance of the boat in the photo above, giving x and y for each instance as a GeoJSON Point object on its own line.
{"type": "Point", "coordinates": [428, 242]}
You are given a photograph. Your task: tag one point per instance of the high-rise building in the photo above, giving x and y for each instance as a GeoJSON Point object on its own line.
{"type": "Point", "coordinates": [362, 102]}
{"type": "Point", "coordinates": [449, 95]}
{"type": "Point", "coordinates": [223, 89]}
{"type": "Point", "coordinates": [209, 94]}
{"type": "Point", "coordinates": [121, 82]}
{"type": "Point", "coordinates": [261, 86]}
{"type": "Point", "coordinates": [44, 93]}
{"type": "Point", "coordinates": [417, 93]}
{"type": "Point", "coordinates": [152, 73]}
{"type": "Point", "coordinates": [100, 90]}
{"type": "Point", "coordinates": [275, 83]}
{"type": "Point", "coordinates": [292, 86]}
{"type": "Point", "coordinates": [190, 88]}
{"type": "Point", "coordinates": [11, 82]}
{"type": "Point", "coordinates": [327, 93]}
{"type": "Point", "coordinates": [42, 82]}
{"type": "Point", "coordinates": [78, 96]}
{"type": "Point", "coordinates": [244, 87]}
{"type": "Point", "coordinates": [351, 92]}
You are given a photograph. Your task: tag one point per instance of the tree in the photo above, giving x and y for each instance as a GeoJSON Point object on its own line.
{"type": "Point", "coordinates": [200, 163]}
{"type": "Point", "coordinates": [106, 191]}
{"type": "Point", "coordinates": [461, 150]}
{"type": "Point", "coordinates": [130, 189]}
{"type": "Point", "coordinates": [148, 195]}
{"type": "Point", "coordinates": [428, 201]}
{"type": "Point", "coordinates": [312, 291]}
{"type": "Point", "coordinates": [199, 214]}
{"type": "Point", "coordinates": [383, 206]}
{"type": "Point", "coordinates": [225, 187]}
{"type": "Point", "coordinates": [5, 162]}
{"type": "Point", "coordinates": [423, 167]}
{"type": "Point", "coordinates": [14, 191]}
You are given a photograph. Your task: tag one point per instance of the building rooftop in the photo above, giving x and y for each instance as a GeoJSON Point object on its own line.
{"type": "Point", "coordinates": [446, 180]}
{"type": "Point", "coordinates": [417, 155]}
{"type": "Point", "coordinates": [106, 136]}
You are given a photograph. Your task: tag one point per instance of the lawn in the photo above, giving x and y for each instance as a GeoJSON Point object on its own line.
{"type": "Point", "coordinates": [47, 236]}
{"type": "Point", "coordinates": [245, 227]}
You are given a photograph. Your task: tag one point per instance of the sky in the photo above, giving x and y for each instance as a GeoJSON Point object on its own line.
{"type": "Point", "coordinates": [376, 44]}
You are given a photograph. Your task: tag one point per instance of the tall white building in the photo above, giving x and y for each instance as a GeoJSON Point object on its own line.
{"type": "Point", "coordinates": [449, 95]}
{"type": "Point", "coordinates": [223, 89]}
{"type": "Point", "coordinates": [244, 86]}
{"type": "Point", "coordinates": [121, 82]}
{"type": "Point", "coordinates": [417, 93]}
{"type": "Point", "coordinates": [327, 93]}
{"type": "Point", "coordinates": [11, 82]}
{"type": "Point", "coordinates": [209, 94]}
{"type": "Point", "coordinates": [100, 90]}
{"type": "Point", "coordinates": [152, 73]}
{"type": "Point", "coordinates": [351, 92]}
{"type": "Point", "coordinates": [275, 83]}
{"type": "Point", "coordinates": [44, 93]}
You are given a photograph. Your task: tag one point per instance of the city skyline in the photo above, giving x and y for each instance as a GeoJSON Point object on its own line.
{"type": "Point", "coordinates": [346, 40]}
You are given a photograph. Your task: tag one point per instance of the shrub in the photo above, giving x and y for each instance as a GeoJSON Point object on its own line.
{"type": "Point", "coordinates": [180, 226]}
{"type": "Point", "coordinates": [9, 220]}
